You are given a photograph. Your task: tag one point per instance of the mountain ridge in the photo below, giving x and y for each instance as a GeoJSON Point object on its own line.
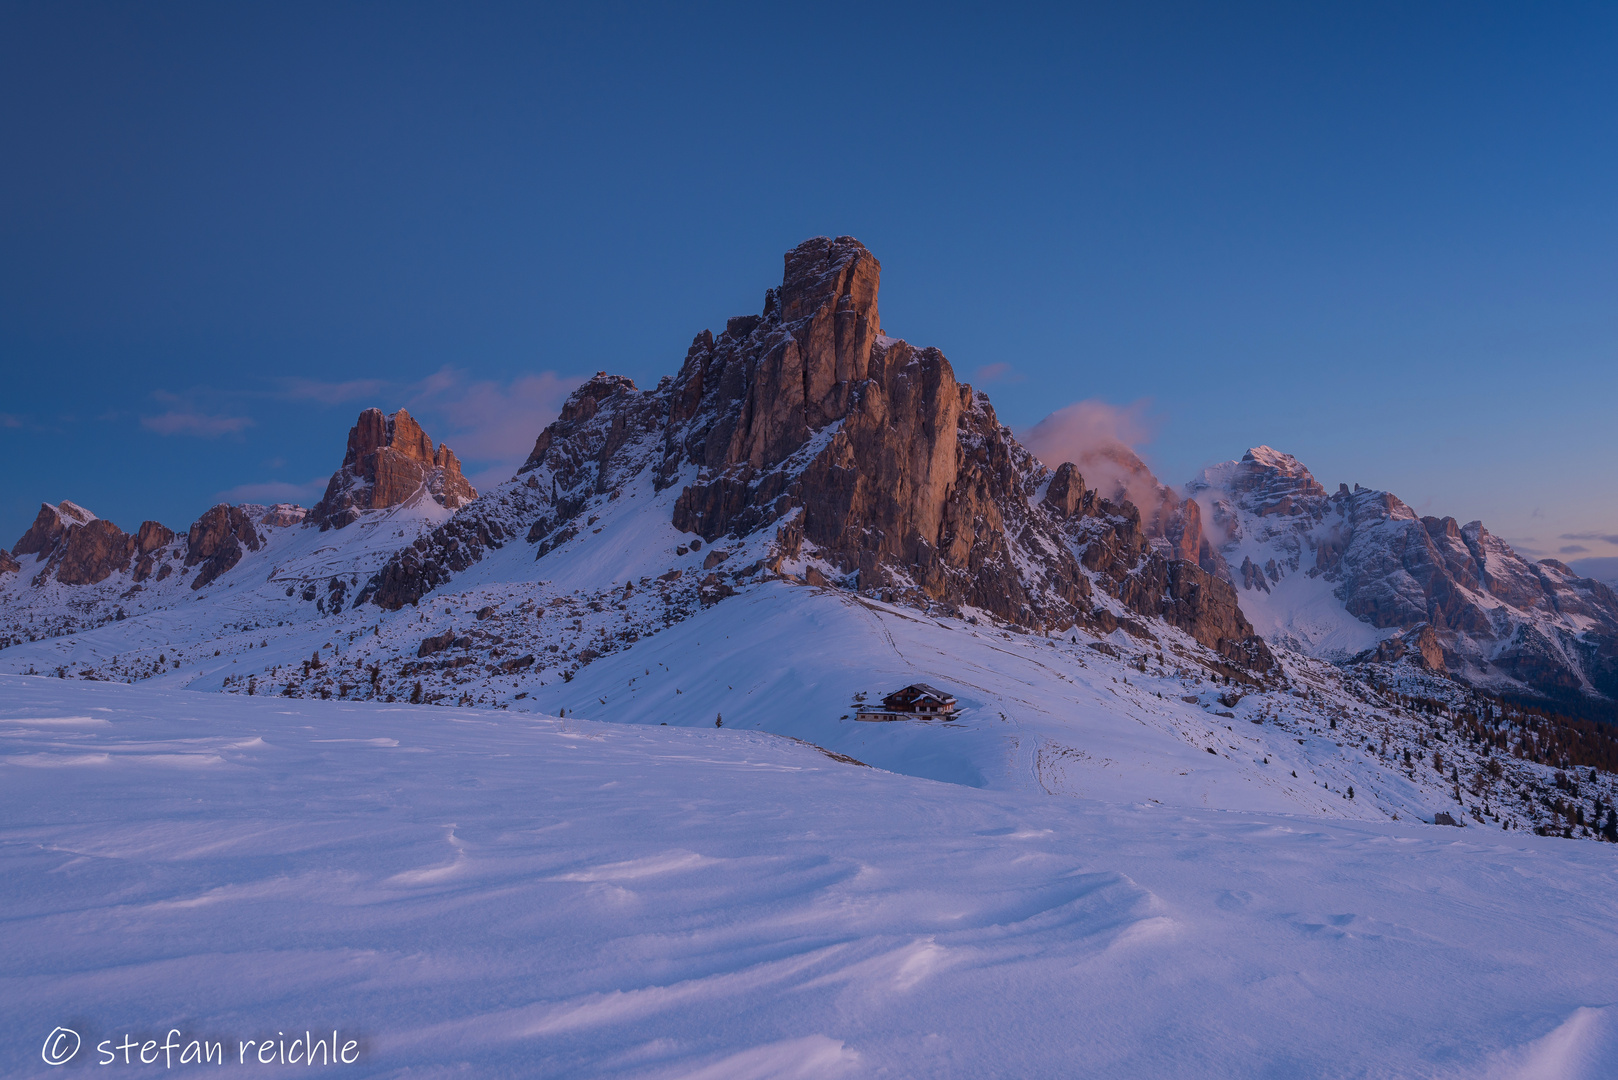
{"type": "Point", "coordinates": [861, 460]}
{"type": "Point", "coordinates": [1454, 595]}
{"type": "Point", "coordinates": [811, 510]}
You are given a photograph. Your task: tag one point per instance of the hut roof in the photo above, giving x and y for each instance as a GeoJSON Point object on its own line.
{"type": "Point", "coordinates": [916, 692]}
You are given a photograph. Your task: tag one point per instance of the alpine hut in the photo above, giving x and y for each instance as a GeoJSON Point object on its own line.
{"type": "Point", "coordinates": [915, 700]}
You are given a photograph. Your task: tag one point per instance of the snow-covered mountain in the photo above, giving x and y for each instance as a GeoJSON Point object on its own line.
{"type": "Point", "coordinates": [72, 571]}
{"type": "Point", "coordinates": [808, 513]}
{"type": "Point", "coordinates": [1361, 573]}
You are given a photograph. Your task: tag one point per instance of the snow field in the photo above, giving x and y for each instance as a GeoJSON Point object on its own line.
{"type": "Point", "coordinates": [508, 895]}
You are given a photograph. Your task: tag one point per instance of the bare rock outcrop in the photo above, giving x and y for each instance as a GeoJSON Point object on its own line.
{"type": "Point", "coordinates": [152, 535]}
{"type": "Point", "coordinates": [892, 470]}
{"type": "Point", "coordinates": [388, 461]}
{"type": "Point", "coordinates": [77, 547]}
{"type": "Point", "coordinates": [50, 528]}
{"type": "Point", "coordinates": [1421, 646]}
{"type": "Point", "coordinates": [432, 560]}
{"type": "Point", "coordinates": [150, 539]}
{"type": "Point", "coordinates": [216, 542]}
{"type": "Point", "coordinates": [8, 564]}
{"type": "Point", "coordinates": [92, 552]}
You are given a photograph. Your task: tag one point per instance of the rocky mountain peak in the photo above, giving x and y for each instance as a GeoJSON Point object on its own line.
{"type": "Point", "coordinates": [807, 433]}
{"type": "Point", "coordinates": [1266, 481]}
{"type": "Point", "coordinates": [77, 547]}
{"type": "Point", "coordinates": [838, 272]}
{"type": "Point", "coordinates": [755, 393]}
{"type": "Point", "coordinates": [389, 460]}
{"type": "Point", "coordinates": [50, 525]}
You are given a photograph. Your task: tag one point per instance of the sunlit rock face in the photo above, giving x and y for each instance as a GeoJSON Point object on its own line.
{"type": "Point", "coordinates": [390, 460]}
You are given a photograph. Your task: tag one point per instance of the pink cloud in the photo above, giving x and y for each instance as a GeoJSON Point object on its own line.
{"type": "Point", "coordinates": [1001, 372]}
{"type": "Point", "coordinates": [1077, 428]}
{"type": "Point", "coordinates": [1100, 438]}
{"type": "Point", "coordinates": [490, 422]}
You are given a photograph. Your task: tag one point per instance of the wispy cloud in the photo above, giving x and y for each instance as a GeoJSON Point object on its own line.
{"type": "Point", "coordinates": [1001, 372]}
{"type": "Point", "coordinates": [488, 421]}
{"type": "Point", "coordinates": [190, 422]}
{"type": "Point", "coordinates": [491, 424]}
{"type": "Point", "coordinates": [10, 420]}
{"type": "Point", "coordinates": [1572, 549]}
{"type": "Point", "coordinates": [335, 393]}
{"type": "Point", "coordinates": [1604, 538]}
{"type": "Point", "coordinates": [1074, 430]}
{"type": "Point", "coordinates": [1100, 438]}
{"type": "Point", "coordinates": [275, 491]}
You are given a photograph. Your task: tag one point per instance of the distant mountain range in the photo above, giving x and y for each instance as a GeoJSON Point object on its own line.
{"type": "Point", "coordinates": [803, 443]}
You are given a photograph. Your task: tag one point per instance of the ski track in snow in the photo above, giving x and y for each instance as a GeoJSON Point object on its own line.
{"type": "Point", "coordinates": [495, 894]}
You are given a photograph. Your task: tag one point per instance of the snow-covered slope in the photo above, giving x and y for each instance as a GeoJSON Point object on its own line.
{"type": "Point", "coordinates": [482, 893]}
{"type": "Point", "coordinates": [1335, 576]}
{"type": "Point", "coordinates": [1112, 716]}
{"type": "Point", "coordinates": [723, 548]}
{"type": "Point", "coordinates": [294, 575]}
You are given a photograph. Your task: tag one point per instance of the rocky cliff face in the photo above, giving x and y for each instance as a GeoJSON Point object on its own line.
{"type": "Point", "coordinates": [864, 460]}
{"type": "Point", "coordinates": [49, 528]}
{"type": "Point", "coordinates": [1170, 520]}
{"type": "Point", "coordinates": [76, 547]}
{"type": "Point", "coordinates": [216, 542]}
{"type": "Point", "coordinates": [1459, 598]}
{"type": "Point", "coordinates": [72, 546]}
{"type": "Point", "coordinates": [389, 460]}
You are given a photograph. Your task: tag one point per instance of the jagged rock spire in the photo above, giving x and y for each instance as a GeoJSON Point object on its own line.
{"type": "Point", "coordinates": [389, 459]}
{"type": "Point", "coordinates": [855, 452]}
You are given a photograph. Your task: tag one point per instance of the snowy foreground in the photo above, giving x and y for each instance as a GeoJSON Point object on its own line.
{"type": "Point", "coordinates": [490, 894]}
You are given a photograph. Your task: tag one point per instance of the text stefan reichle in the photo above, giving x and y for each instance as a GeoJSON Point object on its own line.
{"type": "Point", "coordinates": [305, 1049]}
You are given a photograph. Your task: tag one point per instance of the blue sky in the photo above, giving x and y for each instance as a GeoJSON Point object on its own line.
{"type": "Point", "coordinates": [1383, 238]}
